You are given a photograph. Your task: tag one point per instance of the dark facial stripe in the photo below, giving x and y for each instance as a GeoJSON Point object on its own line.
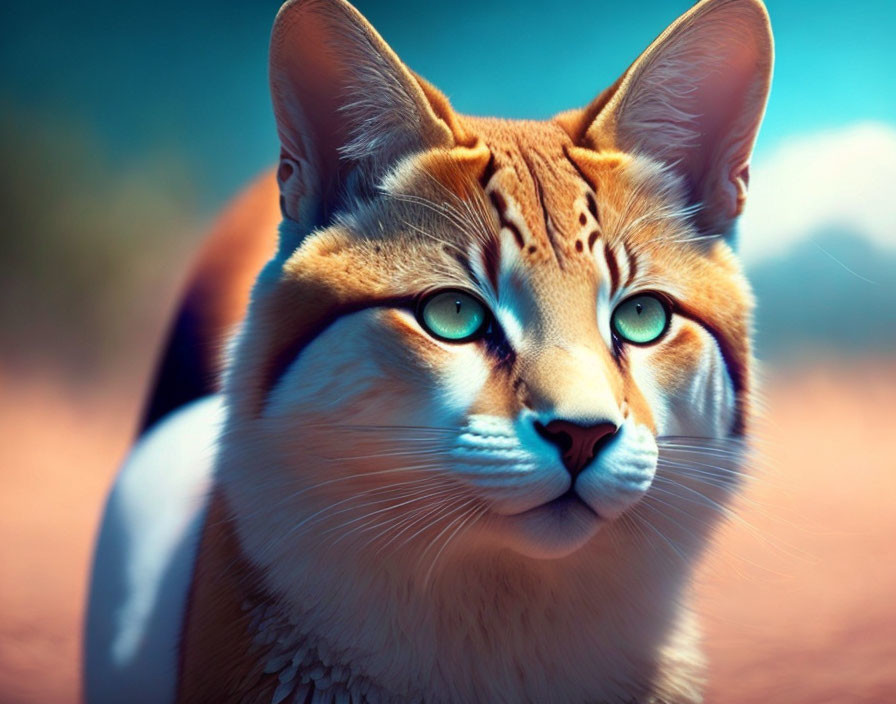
{"type": "Point", "coordinates": [491, 257]}
{"type": "Point", "coordinates": [592, 206]}
{"type": "Point", "coordinates": [501, 207]}
{"type": "Point", "coordinates": [734, 365]}
{"type": "Point", "coordinates": [589, 194]}
{"type": "Point", "coordinates": [487, 173]}
{"type": "Point", "coordinates": [463, 261]}
{"type": "Point", "coordinates": [632, 266]}
{"type": "Point", "coordinates": [284, 359]}
{"type": "Point", "coordinates": [613, 266]}
{"type": "Point", "coordinates": [592, 238]}
{"type": "Point", "coordinates": [539, 193]}
{"type": "Point", "coordinates": [498, 348]}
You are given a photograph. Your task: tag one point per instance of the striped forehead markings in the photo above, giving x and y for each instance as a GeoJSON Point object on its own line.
{"type": "Point", "coordinates": [500, 203]}
{"type": "Point", "coordinates": [592, 206]}
{"type": "Point", "coordinates": [613, 267]}
{"type": "Point", "coordinates": [491, 260]}
{"type": "Point", "coordinates": [613, 261]}
{"type": "Point", "coordinates": [632, 265]}
{"type": "Point", "coordinates": [549, 229]}
{"type": "Point", "coordinates": [621, 266]}
{"type": "Point", "coordinates": [590, 190]}
{"type": "Point", "coordinates": [622, 269]}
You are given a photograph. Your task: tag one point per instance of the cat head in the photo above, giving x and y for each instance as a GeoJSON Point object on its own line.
{"type": "Point", "coordinates": [486, 334]}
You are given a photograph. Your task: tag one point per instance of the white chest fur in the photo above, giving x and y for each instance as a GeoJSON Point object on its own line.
{"type": "Point", "coordinates": [144, 559]}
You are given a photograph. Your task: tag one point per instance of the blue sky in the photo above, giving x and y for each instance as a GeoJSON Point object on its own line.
{"type": "Point", "coordinates": [190, 77]}
{"type": "Point", "coordinates": [164, 107]}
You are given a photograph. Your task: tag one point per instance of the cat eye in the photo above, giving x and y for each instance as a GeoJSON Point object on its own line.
{"type": "Point", "coordinates": [453, 316]}
{"type": "Point", "coordinates": [641, 319]}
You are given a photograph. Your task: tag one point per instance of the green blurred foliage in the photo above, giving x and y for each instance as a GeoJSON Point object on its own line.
{"type": "Point", "coordinates": [91, 249]}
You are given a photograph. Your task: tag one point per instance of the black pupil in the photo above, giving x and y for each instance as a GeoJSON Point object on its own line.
{"type": "Point", "coordinates": [457, 306]}
{"type": "Point", "coordinates": [639, 308]}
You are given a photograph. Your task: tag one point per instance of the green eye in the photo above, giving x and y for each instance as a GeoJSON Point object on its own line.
{"type": "Point", "coordinates": [452, 315]}
{"type": "Point", "coordinates": [641, 319]}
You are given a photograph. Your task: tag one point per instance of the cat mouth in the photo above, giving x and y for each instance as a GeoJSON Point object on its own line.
{"type": "Point", "coordinates": [565, 503]}
{"type": "Point", "coordinates": [555, 528]}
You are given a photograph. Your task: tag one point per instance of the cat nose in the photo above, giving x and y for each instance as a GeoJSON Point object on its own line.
{"type": "Point", "coordinates": [578, 444]}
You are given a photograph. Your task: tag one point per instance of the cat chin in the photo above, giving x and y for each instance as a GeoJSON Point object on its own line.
{"type": "Point", "coordinates": [551, 531]}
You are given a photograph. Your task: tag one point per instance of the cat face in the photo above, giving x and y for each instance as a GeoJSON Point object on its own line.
{"type": "Point", "coordinates": [483, 334]}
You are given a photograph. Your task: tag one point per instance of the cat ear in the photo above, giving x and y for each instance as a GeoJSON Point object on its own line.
{"type": "Point", "coordinates": [694, 100]}
{"type": "Point", "coordinates": [346, 108]}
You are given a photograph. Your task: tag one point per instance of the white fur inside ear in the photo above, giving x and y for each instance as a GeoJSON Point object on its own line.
{"type": "Point", "coordinates": [342, 97]}
{"type": "Point", "coordinates": [695, 99]}
{"type": "Point", "coordinates": [712, 53]}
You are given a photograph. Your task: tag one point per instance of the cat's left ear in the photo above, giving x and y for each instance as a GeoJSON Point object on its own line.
{"type": "Point", "coordinates": [694, 100]}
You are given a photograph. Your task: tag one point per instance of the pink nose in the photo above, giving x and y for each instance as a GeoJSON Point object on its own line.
{"type": "Point", "coordinates": [578, 444]}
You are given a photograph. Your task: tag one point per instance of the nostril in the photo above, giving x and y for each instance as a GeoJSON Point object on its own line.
{"type": "Point", "coordinates": [558, 437]}
{"type": "Point", "coordinates": [578, 444]}
{"type": "Point", "coordinates": [608, 430]}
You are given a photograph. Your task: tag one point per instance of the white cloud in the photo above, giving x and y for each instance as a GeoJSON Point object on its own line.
{"type": "Point", "coordinates": [839, 177]}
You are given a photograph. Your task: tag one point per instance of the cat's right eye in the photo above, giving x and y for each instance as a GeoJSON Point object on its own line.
{"type": "Point", "coordinates": [453, 316]}
{"type": "Point", "coordinates": [641, 319]}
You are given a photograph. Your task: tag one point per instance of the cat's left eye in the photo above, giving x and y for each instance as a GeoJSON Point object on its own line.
{"type": "Point", "coordinates": [641, 319]}
{"type": "Point", "coordinates": [453, 316]}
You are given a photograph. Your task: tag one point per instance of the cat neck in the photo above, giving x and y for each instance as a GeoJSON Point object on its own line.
{"type": "Point", "coordinates": [495, 628]}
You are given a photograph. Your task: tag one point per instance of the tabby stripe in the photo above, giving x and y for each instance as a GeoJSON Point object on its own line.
{"type": "Point", "coordinates": [491, 259]}
{"type": "Point", "coordinates": [485, 178]}
{"type": "Point", "coordinates": [632, 266]}
{"type": "Point", "coordinates": [539, 193]}
{"type": "Point", "coordinates": [501, 206]}
{"type": "Point", "coordinates": [592, 206]}
{"type": "Point", "coordinates": [613, 266]}
{"type": "Point", "coordinates": [592, 238]}
{"type": "Point", "coordinates": [589, 192]}
{"type": "Point", "coordinates": [284, 359]}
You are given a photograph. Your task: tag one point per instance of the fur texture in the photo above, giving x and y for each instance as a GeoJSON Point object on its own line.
{"type": "Point", "coordinates": [393, 522]}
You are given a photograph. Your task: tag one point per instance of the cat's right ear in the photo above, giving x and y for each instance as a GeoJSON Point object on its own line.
{"type": "Point", "coordinates": [346, 108]}
{"type": "Point", "coordinates": [693, 100]}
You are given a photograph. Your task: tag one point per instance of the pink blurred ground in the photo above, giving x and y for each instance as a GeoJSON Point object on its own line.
{"type": "Point", "coordinates": [797, 600]}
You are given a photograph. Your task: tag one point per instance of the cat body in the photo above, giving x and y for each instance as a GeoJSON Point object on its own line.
{"type": "Point", "coordinates": [485, 409]}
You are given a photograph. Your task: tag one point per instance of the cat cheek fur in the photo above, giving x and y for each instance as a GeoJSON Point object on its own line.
{"type": "Point", "coordinates": [341, 412]}
{"type": "Point", "coordinates": [686, 382]}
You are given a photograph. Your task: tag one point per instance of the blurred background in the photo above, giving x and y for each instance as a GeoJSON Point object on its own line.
{"type": "Point", "coordinates": [126, 126]}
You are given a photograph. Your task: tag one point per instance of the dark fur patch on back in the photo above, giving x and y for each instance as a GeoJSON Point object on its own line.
{"type": "Point", "coordinates": [188, 370]}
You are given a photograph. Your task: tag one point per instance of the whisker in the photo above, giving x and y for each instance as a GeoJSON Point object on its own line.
{"type": "Point", "coordinates": [462, 509]}
{"type": "Point", "coordinates": [706, 501]}
{"type": "Point", "coordinates": [421, 495]}
{"type": "Point", "coordinates": [470, 517]}
{"type": "Point", "coordinates": [659, 533]}
{"type": "Point", "coordinates": [416, 533]}
{"type": "Point", "coordinates": [421, 513]}
{"type": "Point", "coordinates": [724, 474]}
{"type": "Point", "coordinates": [382, 455]}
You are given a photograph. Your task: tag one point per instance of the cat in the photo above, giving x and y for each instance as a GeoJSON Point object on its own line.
{"type": "Point", "coordinates": [486, 406]}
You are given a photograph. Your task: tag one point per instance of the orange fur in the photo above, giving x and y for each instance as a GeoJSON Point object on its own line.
{"type": "Point", "coordinates": [557, 215]}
